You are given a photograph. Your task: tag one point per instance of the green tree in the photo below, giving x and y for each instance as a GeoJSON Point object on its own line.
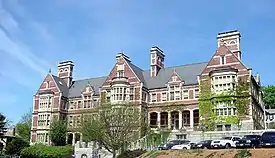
{"type": "Point", "coordinates": [269, 95]}
{"type": "Point", "coordinates": [58, 131]}
{"type": "Point", "coordinates": [114, 126]}
{"type": "Point", "coordinates": [15, 146]}
{"type": "Point", "coordinates": [3, 124]}
{"type": "Point", "coordinates": [23, 127]}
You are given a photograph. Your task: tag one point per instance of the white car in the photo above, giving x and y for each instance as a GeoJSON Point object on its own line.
{"type": "Point", "coordinates": [225, 142]}
{"type": "Point", "coordinates": [185, 146]}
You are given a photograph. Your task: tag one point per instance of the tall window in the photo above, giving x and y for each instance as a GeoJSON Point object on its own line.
{"type": "Point", "coordinates": [45, 101]}
{"type": "Point", "coordinates": [197, 93]}
{"type": "Point", "coordinates": [163, 96]}
{"type": "Point", "coordinates": [222, 60]}
{"type": "Point", "coordinates": [175, 93]}
{"type": "Point", "coordinates": [87, 103]}
{"type": "Point", "coordinates": [154, 97]}
{"type": "Point", "coordinates": [132, 93]}
{"type": "Point", "coordinates": [185, 94]}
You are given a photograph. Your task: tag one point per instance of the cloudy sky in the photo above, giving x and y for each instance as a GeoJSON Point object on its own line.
{"type": "Point", "coordinates": [35, 35]}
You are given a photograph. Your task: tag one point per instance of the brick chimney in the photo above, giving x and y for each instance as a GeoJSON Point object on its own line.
{"type": "Point", "coordinates": [157, 60]}
{"type": "Point", "coordinates": [65, 72]}
{"type": "Point", "coordinates": [232, 40]}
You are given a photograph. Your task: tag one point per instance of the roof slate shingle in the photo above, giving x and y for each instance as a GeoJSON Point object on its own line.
{"type": "Point", "coordinates": [188, 73]}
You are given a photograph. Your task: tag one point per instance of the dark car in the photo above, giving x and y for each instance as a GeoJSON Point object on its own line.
{"type": "Point", "coordinates": [171, 143]}
{"type": "Point", "coordinates": [250, 141]}
{"type": "Point", "coordinates": [268, 139]}
{"type": "Point", "coordinates": [205, 144]}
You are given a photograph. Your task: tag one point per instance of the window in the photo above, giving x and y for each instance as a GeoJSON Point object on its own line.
{"type": "Point", "coordinates": [44, 120]}
{"type": "Point", "coordinates": [185, 94]}
{"type": "Point", "coordinates": [163, 96]}
{"type": "Point", "coordinates": [197, 93]}
{"type": "Point", "coordinates": [222, 60]}
{"type": "Point", "coordinates": [225, 109]}
{"type": "Point", "coordinates": [120, 73]}
{"type": "Point", "coordinates": [45, 101]}
{"type": "Point", "coordinates": [219, 127]}
{"type": "Point", "coordinates": [228, 127]}
{"type": "Point", "coordinates": [223, 83]}
{"type": "Point", "coordinates": [174, 78]}
{"type": "Point", "coordinates": [48, 84]}
{"type": "Point", "coordinates": [132, 93]}
{"type": "Point", "coordinates": [175, 93]}
{"type": "Point", "coordinates": [154, 97]}
{"type": "Point", "coordinates": [118, 93]}
{"type": "Point", "coordinates": [88, 101]}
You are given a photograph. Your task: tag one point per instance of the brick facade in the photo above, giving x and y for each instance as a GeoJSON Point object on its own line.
{"type": "Point", "coordinates": [169, 95]}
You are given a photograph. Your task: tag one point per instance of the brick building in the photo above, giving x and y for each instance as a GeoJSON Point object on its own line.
{"type": "Point", "coordinates": [168, 95]}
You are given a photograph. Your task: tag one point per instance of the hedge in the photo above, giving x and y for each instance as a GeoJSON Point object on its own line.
{"type": "Point", "coordinates": [42, 151]}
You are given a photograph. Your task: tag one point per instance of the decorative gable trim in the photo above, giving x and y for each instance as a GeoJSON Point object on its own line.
{"type": "Point", "coordinates": [174, 77]}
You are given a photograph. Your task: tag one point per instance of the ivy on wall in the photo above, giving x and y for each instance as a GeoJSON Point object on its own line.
{"type": "Point", "coordinates": [238, 98]}
{"type": "Point", "coordinates": [155, 138]}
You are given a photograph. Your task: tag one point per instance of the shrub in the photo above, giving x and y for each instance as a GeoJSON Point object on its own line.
{"type": "Point", "coordinates": [15, 146]}
{"type": "Point", "coordinates": [42, 151]}
{"type": "Point", "coordinates": [131, 154]}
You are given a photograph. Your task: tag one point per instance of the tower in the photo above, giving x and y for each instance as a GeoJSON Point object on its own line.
{"type": "Point", "coordinates": [65, 72]}
{"type": "Point", "coordinates": [232, 40]}
{"type": "Point", "coordinates": [157, 60]}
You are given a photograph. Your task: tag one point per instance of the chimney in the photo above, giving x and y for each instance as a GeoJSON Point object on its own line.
{"type": "Point", "coordinates": [231, 39]}
{"type": "Point", "coordinates": [65, 72]}
{"type": "Point", "coordinates": [122, 55]}
{"type": "Point", "coordinates": [157, 60]}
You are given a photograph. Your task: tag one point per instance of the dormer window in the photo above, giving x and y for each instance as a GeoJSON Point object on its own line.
{"type": "Point", "coordinates": [222, 60]}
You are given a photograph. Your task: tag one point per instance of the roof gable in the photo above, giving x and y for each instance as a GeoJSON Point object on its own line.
{"type": "Point", "coordinates": [48, 85]}
{"type": "Point", "coordinates": [175, 78]}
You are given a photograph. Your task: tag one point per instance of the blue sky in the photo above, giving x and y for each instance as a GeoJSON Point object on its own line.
{"type": "Point", "coordinates": [36, 35]}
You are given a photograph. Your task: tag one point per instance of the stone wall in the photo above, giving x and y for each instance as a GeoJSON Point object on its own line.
{"type": "Point", "coordinates": [196, 136]}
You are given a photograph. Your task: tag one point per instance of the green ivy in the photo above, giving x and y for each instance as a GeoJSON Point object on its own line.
{"type": "Point", "coordinates": [208, 102]}
{"type": "Point", "coordinates": [155, 138]}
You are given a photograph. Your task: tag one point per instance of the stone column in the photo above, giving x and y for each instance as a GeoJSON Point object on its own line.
{"type": "Point", "coordinates": [158, 120]}
{"type": "Point", "coordinates": [180, 119]}
{"type": "Point", "coordinates": [191, 118]}
{"type": "Point", "coordinates": [169, 120]}
{"type": "Point", "coordinates": [73, 143]}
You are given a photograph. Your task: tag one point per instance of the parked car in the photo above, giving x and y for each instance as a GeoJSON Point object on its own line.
{"type": "Point", "coordinates": [171, 143]}
{"type": "Point", "coordinates": [185, 146]}
{"type": "Point", "coordinates": [249, 141]}
{"type": "Point", "coordinates": [205, 144]}
{"type": "Point", "coordinates": [268, 139]}
{"type": "Point", "coordinates": [225, 142]}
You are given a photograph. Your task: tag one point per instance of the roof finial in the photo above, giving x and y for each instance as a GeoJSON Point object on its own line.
{"type": "Point", "coordinates": [50, 70]}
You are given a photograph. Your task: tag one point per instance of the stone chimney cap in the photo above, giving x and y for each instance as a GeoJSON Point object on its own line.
{"type": "Point", "coordinates": [63, 63]}
{"type": "Point", "coordinates": [228, 33]}
{"type": "Point", "coordinates": [156, 48]}
{"type": "Point", "coordinates": [121, 54]}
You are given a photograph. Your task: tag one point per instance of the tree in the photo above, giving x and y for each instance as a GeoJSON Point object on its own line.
{"type": "Point", "coordinates": [15, 146]}
{"type": "Point", "coordinates": [23, 127]}
{"type": "Point", "coordinates": [114, 127]}
{"type": "Point", "coordinates": [58, 131]}
{"type": "Point", "coordinates": [269, 95]}
{"type": "Point", "coordinates": [3, 128]}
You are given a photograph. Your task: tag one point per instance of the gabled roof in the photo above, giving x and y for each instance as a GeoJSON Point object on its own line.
{"type": "Point", "coordinates": [188, 73]}
{"type": "Point", "coordinates": [78, 86]}
{"type": "Point", "coordinates": [61, 84]}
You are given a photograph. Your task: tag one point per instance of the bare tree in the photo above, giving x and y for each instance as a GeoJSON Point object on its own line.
{"type": "Point", "coordinates": [113, 126]}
